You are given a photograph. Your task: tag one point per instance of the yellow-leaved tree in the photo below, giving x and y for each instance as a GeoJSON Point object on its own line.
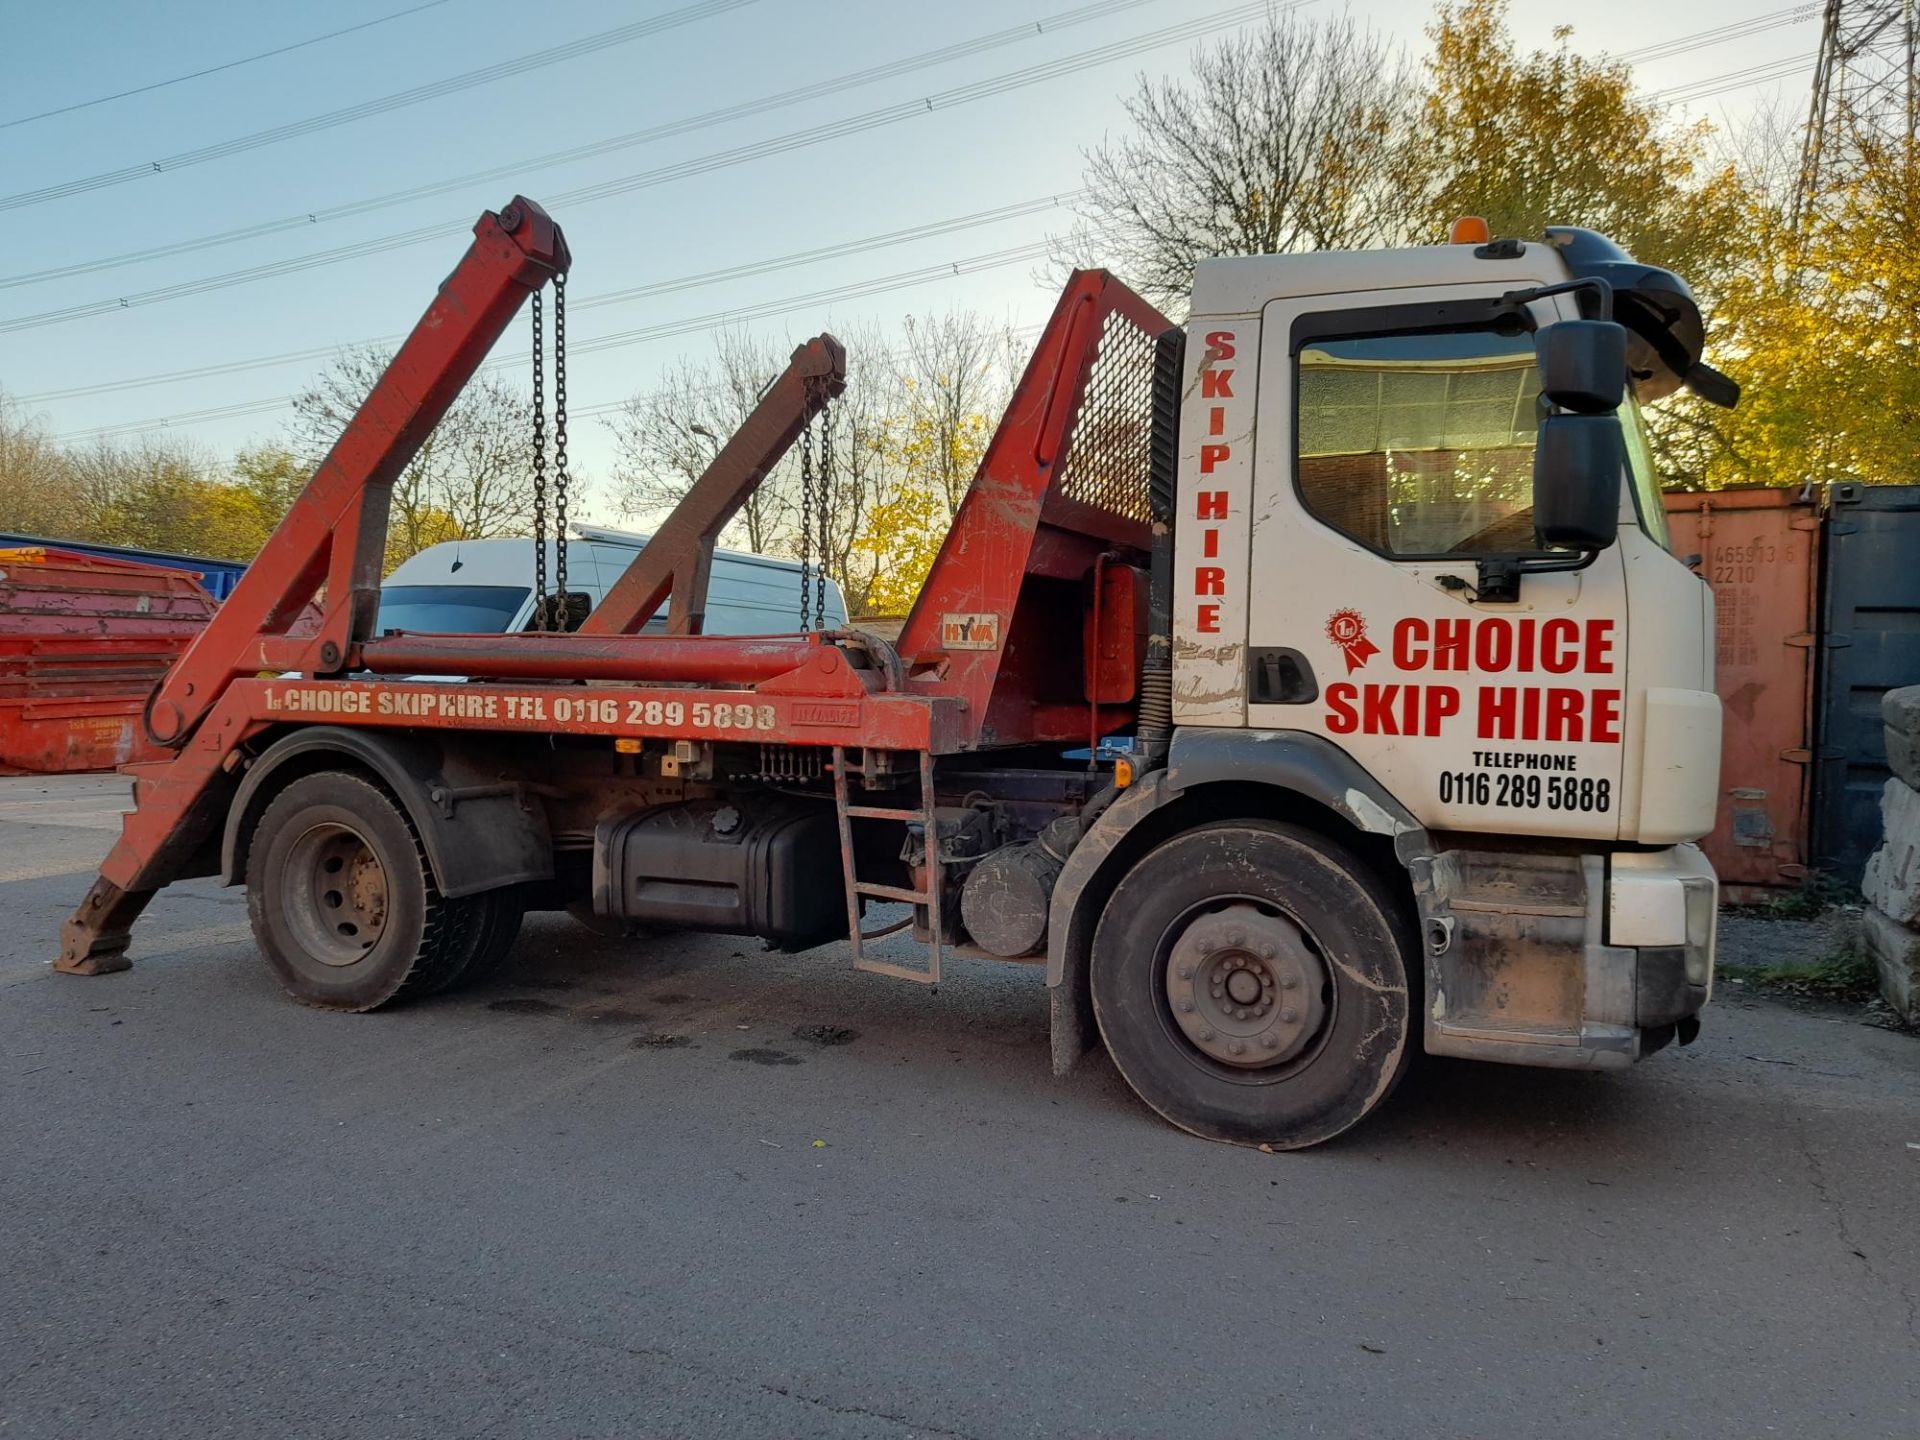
{"type": "Point", "coordinates": [1822, 326]}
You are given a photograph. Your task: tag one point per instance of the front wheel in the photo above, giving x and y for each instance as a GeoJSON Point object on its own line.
{"type": "Point", "coordinates": [1250, 981]}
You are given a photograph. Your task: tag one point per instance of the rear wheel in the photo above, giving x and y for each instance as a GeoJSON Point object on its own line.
{"type": "Point", "coordinates": [1250, 981]}
{"type": "Point", "coordinates": [342, 899]}
{"type": "Point", "coordinates": [493, 926]}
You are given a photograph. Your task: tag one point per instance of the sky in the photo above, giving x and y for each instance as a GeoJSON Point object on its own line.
{"type": "Point", "coordinates": [119, 179]}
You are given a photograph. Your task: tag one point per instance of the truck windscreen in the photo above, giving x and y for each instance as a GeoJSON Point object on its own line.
{"type": "Point", "coordinates": [450, 609]}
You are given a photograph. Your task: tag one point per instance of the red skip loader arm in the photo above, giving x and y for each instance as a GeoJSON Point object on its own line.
{"type": "Point", "coordinates": [334, 535]}
{"type": "Point", "coordinates": [336, 532]}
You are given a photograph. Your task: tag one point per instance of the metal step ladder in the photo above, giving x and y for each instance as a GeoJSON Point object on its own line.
{"type": "Point", "coordinates": [856, 887]}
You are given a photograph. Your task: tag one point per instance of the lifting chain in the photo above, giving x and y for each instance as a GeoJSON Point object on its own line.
{"type": "Point", "coordinates": [816, 495]}
{"type": "Point", "coordinates": [560, 477]}
{"type": "Point", "coordinates": [823, 499]}
{"type": "Point", "coordinates": [550, 611]}
{"type": "Point", "coordinates": [806, 520]}
{"type": "Point", "coordinates": [539, 462]}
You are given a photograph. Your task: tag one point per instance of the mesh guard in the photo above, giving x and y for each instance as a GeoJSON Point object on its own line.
{"type": "Point", "coordinates": [1109, 455]}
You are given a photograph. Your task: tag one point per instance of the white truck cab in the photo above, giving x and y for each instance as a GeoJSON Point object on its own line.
{"type": "Point", "coordinates": [1357, 562]}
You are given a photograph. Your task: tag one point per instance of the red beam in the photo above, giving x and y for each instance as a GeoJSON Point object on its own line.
{"type": "Point", "coordinates": [690, 660]}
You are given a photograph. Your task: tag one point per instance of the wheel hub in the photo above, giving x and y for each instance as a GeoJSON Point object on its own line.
{"type": "Point", "coordinates": [1245, 987]}
{"type": "Point", "coordinates": [337, 898]}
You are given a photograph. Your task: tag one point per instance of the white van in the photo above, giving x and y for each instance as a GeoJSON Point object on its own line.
{"type": "Point", "coordinates": [485, 587]}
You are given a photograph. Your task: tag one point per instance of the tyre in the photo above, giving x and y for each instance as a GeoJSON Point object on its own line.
{"type": "Point", "coordinates": [342, 899]}
{"type": "Point", "coordinates": [1250, 982]}
{"type": "Point", "coordinates": [493, 927]}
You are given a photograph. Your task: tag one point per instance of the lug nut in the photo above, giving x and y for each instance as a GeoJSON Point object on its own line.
{"type": "Point", "coordinates": [1237, 939]}
{"type": "Point", "coordinates": [1239, 1014]}
{"type": "Point", "coordinates": [1289, 982]}
{"type": "Point", "coordinates": [1267, 952]}
{"type": "Point", "coordinates": [1206, 1032]}
{"type": "Point", "coordinates": [1186, 1007]}
{"type": "Point", "coordinates": [1186, 972]}
{"type": "Point", "coordinates": [1272, 1042]}
{"type": "Point", "coordinates": [1289, 1015]}
{"type": "Point", "coordinates": [1237, 1048]}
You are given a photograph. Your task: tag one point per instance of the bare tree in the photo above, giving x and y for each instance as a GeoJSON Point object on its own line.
{"type": "Point", "coordinates": [1290, 138]}
{"type": "Point", "coordinates": [862, 429]}
{"type": "Point", "coordinates": [158, 492]}
{"type": "Point", "coordinates": [667, 437]}
{"type": "Point", "coordinates": [905, 439]}
{"type": "Point", "coordinates": [37, 492]}
{"type": "Point", "coordinates": [955, 382]}
{"type": "Point", "coordinates": [164, 493]}
{"type": "Point", "coordinates": [473, 478]}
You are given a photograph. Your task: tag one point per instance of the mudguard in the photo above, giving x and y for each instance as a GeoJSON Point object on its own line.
{"type": "Point", "coordinates": [479, 831]}
{"type": "Point", "coordinates": [1287, 760]}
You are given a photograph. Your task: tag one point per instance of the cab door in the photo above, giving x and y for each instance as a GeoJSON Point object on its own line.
{"type": "Point", "coordinates": [1392, 473]}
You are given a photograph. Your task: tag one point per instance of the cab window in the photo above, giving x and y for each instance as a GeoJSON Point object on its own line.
{"type": "Point", "coordinates": [1420, 444]}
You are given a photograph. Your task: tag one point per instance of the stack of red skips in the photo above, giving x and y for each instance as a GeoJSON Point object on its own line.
{"type": "Point", "coordinates": [83, 640]}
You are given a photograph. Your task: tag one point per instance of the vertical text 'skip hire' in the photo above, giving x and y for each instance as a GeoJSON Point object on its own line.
{"type": "Point", "coordinates": [1356, 587]}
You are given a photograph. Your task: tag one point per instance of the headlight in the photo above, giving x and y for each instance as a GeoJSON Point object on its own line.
{"type": "Point", "coordinates": [1702, 911]}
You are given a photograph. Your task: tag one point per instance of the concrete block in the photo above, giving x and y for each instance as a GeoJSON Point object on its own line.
{"type": "Point", "coordinates": [1892, 878]}
{"type": "Point", "coordinates": [1900, 711]}
{"type": "Point", "coordinates": [1896, 953]}
{"type": "Point", "coordinates": [1903, 755]}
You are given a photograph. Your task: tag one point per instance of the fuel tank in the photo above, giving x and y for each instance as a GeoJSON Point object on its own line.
{"type": "Point", "coordinates": [769, 870]}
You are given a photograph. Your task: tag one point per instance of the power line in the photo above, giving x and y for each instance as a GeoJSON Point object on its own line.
{"type": "Point", "coordinates": [216, 69]}
{"type": "Point", "coordinates": [890, 357]}
{"type": "Point", "coordinates": [856, 290]}
{"type": "Point", "coordinates": [701, 10]}
{"type": "Point", "coordinates": [1719, 34]}
{"type": "Point", "coordinates": [700, 165]}
{"type": "Point", "coordinates": [959, 95]}
{"type": "Point", "coordinates": [583, 412]}
{"type": "Point", "coordinates": [714, 320]}
{"type": "Point", "coordinates": [864, 245]}
{"type": "Point", "coordinates": [1708, 86]}
{"type": "Point", "coordinates": [1065, 19]}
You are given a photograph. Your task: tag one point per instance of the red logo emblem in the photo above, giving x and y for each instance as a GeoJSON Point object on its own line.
{"type": "Point", "coordinates": [1348, 630]}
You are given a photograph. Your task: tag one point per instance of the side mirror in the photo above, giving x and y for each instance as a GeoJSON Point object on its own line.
{"type": "Point", "coordinates": [1583, 365]}
{"type": "Point", "coordinates": [1576, 480]}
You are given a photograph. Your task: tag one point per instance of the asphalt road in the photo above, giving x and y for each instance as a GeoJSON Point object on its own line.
{"type": "Point", "coordinates": [637, 1193]}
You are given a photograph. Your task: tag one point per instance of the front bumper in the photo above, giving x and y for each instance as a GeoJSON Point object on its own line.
{"type": "Point", "coordinates": [1566, 960]}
